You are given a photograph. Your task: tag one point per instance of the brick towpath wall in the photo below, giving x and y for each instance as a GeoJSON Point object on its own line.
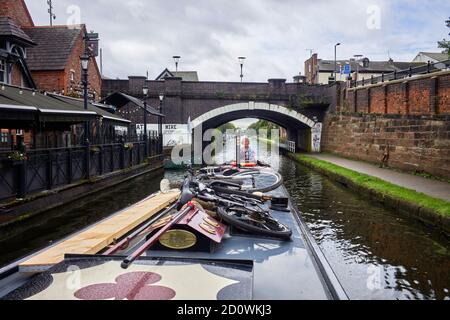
{"type": "Point", "coordinates": [416, 143]}
{"type": "Point", "coordinates": [411, 117]}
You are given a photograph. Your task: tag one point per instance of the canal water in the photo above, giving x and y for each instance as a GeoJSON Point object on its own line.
{"type": "Point", "coordinates": [375, 253]}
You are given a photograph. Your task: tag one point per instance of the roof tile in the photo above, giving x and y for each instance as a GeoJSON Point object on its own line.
{"type": "Point", "coordinates": [54, 46]}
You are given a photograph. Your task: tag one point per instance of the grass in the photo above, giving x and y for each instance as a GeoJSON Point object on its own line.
{"type": "Point", "coordinates": [441, 207]}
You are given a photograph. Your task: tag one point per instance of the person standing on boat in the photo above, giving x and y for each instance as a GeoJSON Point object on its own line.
{"type": "Point", "coordinates": [248, 154]}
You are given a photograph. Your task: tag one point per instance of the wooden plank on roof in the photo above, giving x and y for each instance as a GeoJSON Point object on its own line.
{"type": "Point", "coordinates": [99, 236]}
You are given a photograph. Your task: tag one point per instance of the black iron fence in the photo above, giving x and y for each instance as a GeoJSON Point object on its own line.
{"type": "Point", "coordinates": [397, 75]}
{"type": "Point", "coordinates": [22, 174]}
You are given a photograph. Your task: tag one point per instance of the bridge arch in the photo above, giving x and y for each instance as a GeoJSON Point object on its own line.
{"type": "Point", "coordinates": [254, 109]}
{"type": "Point", "coordinates": [301, 129]}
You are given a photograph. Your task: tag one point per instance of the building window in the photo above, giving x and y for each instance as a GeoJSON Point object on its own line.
{"type": "Point", "coordinates": [4, 137]}
{"type": "Point", "coordinates": [72, 76]}
{"type": "Point", "coordinates": [2, 70]}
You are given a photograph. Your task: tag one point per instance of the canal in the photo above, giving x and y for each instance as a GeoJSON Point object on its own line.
{"type": "Point", "coordinates": [375, 253]}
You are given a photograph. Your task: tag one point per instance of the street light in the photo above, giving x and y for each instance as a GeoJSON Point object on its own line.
{"type": "Point", "coordinates": [335, 59]}
{"type": "Point", "coordinates": [357, 56]}
{"type": "Point", "coordinates": [160, 133]}
{"type": "Point", "coordinates": [177, 61]}
{"type": "Point", "coordinates": [241, 62]}
{"type": "Point", "coordinates": [84, 61]}
{"type": "Point", "coordinates": [145, 92]}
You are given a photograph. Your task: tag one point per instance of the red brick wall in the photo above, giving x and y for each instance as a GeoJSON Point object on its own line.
{"type": "Point", "coordinates": [415, 96]}
{"type": "Point", "coordinates": [59, 81]}
{"type": "Point", "coordinates": [411, 116]}
{"type": "Point", "coordinates": [49, 80]}
{"type": "Point", "coordinates": [395, 98]}
{"type": "Point", "coordinates": [311, 69]}
{"type": "Point", "coordinates": [419, 96]}
{"type": "Point", "coordinates": [95, 81]}
{"type": "Point", "coordinates": [444, 95]}
{"type": "Point", "coordinates": [17, 10]}
{"type": "Point", "coordinates": [416, 143]}
{"type": "Point", "coordinates": [377, 100]}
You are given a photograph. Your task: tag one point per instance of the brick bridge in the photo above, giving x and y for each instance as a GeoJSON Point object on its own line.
{"type": "Point", "coordinates": [408, 118]}
{"type": "Point", "coordinates": [296, 107]}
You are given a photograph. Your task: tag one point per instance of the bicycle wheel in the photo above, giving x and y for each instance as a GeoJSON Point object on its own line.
{"type": "Point", "coordinates": [262, 180]}
{"type": "Point", "coordinates": [252, 222]}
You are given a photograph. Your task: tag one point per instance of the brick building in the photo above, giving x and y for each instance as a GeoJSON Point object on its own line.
{"type": "Point", "coordinates": [18, 11]}
{"type": "Point", "coordinates": [41, 57]}
{"type": "Point", "coordinates": [55, 65]}
{"type": "Point", "coordinates": [319, 71]}
{"type": "Point", "coordinates": [52, 54]}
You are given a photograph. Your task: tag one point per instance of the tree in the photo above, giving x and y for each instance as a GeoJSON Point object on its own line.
{"type": "Point", "coordinates": [444, 44]}
{"type": "Point", "coordinates": [266, 125]}
{"type": "Point", "coordinates": [226, 126]}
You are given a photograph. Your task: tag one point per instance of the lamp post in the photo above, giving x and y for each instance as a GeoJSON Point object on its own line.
{"type": "Point", "coordinates": [160, 133]}
{"type": "Point", "coordinates": [335, 59]}
{"type": "Point", "coordinates": [357, 56]}
{"type": "Point", "coordinates": [145, 92]}
{"type": "Point", "coordinates": [241, 62]}
{"type": "Point", "coordinates": [177, 61]}
{"type": "Point", "coordinates": [84, 60]}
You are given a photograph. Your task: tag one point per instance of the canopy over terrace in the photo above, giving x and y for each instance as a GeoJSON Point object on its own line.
{"type": "Point", "coordinates": [103, 130]}
{"type": "Point", "coordinates": [98, 108]}
{"type": "Point", "coordinates": [27, 109]}
{"type": "Point", "coordinates": [119, 100]}
{"type": "Point", "coordinates": [40, 109]}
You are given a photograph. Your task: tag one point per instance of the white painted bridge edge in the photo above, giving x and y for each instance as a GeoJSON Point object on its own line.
{"type": "Point", "coordinates": [253, 106]}
{"type": "Point", "coordinates": [316, 128]}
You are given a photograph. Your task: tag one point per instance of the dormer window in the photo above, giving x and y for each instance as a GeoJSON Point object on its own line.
{"type": "Point", "coordinates": [2, 70]}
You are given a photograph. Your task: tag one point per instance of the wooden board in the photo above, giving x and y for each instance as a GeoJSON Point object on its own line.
{"type": "Point", "coordinates": [98, 237]}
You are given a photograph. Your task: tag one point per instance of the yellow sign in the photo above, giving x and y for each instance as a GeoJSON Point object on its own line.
{"type": "Point", "coordinates": [211, 222]}
{"type": "Point", "coordinates": [208, 228]}
{"type": "Point", "coordinates": [178, 239]}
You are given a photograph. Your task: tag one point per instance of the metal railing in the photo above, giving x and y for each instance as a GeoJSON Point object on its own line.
{"type": "Point", "coordinates": [408, 73]}
{"type": "Point", "coordinates": [46, 169]}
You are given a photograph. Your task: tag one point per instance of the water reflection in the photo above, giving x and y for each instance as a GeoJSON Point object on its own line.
{"type": "Point", "coordinates": [375, 253]}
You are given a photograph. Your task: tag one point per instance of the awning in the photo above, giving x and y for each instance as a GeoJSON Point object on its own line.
{"type": "Point", "coordinates": [120, 100]}
{"type": "Point", "coordinates": [98, 108]}
{"type": "Point", "coordinates": [21, 108]}
{"type": "Point", "coordinates": [47, 108]}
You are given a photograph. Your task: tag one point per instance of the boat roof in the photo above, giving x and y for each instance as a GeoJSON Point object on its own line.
{"type": "Point", "coordinates": [280, 270]}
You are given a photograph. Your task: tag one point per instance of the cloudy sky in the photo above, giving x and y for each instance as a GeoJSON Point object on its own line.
{"type": "Point", "coordinates": [274, 35]}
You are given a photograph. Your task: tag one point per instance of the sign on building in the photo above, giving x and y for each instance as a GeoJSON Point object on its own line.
{"type": "Point", "coordinates": [347, 69]}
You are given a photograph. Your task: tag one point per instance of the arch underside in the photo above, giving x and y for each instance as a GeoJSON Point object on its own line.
{"type": "Point", "coordinates": [282, 116]}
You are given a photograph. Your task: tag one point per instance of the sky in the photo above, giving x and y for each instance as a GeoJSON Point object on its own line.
{"type": "Point", "coordinates": [274, 35]}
